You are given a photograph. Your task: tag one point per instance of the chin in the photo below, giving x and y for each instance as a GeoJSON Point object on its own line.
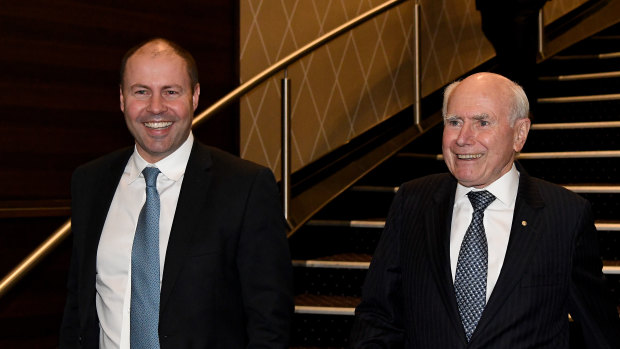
{"type": "Point", "coordinates": [467, 181]}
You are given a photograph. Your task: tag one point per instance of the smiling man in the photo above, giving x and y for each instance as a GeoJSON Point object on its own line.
{"type": "Point", "coordinates": [486, 256]}
{"type": "Point", "coordinates": [176, 244]}
{"type": "Point", "coordinates": [159, 95]}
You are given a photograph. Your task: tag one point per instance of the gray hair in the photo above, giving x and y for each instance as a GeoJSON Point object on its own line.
{"type": "Point", "coordinates": [519, 108]}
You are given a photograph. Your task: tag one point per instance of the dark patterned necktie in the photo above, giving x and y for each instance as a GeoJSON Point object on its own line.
{"type": "Point", "coordinates": [470, 282]}
{"type": "Point", "coordinates": [144, 313]}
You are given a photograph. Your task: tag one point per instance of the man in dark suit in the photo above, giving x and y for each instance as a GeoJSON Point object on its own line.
{"type": "Point", "coordinates": [222, 274]}
{"type": "Point", "coordinates": [451, 273]}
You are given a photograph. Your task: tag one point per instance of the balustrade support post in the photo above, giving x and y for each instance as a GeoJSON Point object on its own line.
{"type": "Point", "coordinates": [541, 29]}
{"type": "Point", "coordinates": [286, 146]}
{"type": "Point", "coordinates": [417, 103]}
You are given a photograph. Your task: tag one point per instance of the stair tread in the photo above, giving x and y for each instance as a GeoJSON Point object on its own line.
{"type": "Point", "coordinates": [363, 258]}
{"type": "Point", "coordinates": [331, 301]}
{"type": "Point", "coordinates": [589, 185]}
{"type": "Point", "coordinates": [326, 221]}
{"type": "Point", "coordinates": [346, 257]}
{"type": "Point", "coordinates": [540, 126]}
{"type": "Point", "coordinates": [580, 76]}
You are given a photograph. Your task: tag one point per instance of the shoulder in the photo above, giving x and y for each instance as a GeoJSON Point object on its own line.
{"type": "Point", "coordinates": [100, 165]}
{"type": "Point", "coordinates": [430, 183]}
{"type": "Point", "coordinates": [425, 190]}
{"type": "Point", "coordinates": [228, 160]}
{"type": "Point", "coordinates": [552, 195]}
{"type": "Point", "coordinates": [225, 165]}
{"type": "Point", "coordinates": [554, 191]}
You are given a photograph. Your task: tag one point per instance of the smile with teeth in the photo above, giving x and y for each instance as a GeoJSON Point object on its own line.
{"type": "Point", "coordinates": [158, 124]}
{"type": "Point", "coordinates": [468, 156]}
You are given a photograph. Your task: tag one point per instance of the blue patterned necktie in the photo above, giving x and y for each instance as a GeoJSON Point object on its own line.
{"type": "Point", "coordinates": [470, 282]}
{"type": "Point", "coordinates": [144, 315]}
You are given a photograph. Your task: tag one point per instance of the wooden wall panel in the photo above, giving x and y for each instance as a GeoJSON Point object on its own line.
{"type": "Point", "coordinates": [59, 107]}
{"type": "Point", "coordinates": [59, 76]}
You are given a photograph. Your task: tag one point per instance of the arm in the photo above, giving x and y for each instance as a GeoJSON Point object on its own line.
{"type": "Point", "coordinates": [378, 318]}
{"type": "Point", "coordinates": [70, 327]}
{"type": "Point", "coordinates": [590, 303]}
{"type": "Point", "coordinates": [265, 268]}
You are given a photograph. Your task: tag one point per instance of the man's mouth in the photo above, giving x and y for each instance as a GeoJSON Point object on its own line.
{"type": "Point", "coordinates": [468, 156]}
{"type": "Point", "coordinates": [158, 124]}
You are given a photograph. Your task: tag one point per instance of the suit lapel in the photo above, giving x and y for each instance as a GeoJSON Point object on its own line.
{"type": "Point", "coordinates": [438, 221]}
{"type": "Point", "coordinates": [191, 203]}
{"type": "Point", "coordinates": [527, 225]}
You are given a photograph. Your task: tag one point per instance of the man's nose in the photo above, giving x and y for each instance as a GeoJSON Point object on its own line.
{"type": "Point", "coordinates": [157, 105]}
{"type": "Point", "coordinates": [466, 136]}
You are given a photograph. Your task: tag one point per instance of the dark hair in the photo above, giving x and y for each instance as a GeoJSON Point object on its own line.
{"type": "Point", "coordinates": [192, 69]}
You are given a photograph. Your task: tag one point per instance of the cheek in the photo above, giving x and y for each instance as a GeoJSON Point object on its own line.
{"type": "Point", "coordinates": [445, 149]}
{"type": "Point", "coordinates": [132, 109]}
{"type": "Point", "coordinates": [182, 108]}
{"type": "Point", "coordinates": [447, 139]}
{"type": "Point", "coordinates": [491, 141]}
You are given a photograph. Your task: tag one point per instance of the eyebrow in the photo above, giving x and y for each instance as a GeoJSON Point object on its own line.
{"type": "Point", "coordinates": [139, 86]}
{"type": "Point", "coordinates": [477, 116]}
{"type": "Point", "coordinates": [172, 86]}
{"type": "Point", "coordinates": [163, 87]}
{"type": "Point", "coordinates": [482, 116]}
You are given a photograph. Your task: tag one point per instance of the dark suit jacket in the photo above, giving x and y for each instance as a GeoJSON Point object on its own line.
{"type": "Point", "coordinates": [227, 279]}
{"type": "Point", "coordinates": [551, 268]}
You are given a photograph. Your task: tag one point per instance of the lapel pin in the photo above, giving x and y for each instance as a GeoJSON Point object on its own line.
{"type": "Point", "coordinates": [524, 223]}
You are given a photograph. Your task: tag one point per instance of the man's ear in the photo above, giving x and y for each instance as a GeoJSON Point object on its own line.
{"type": "Point", "coordinates": [122, 98]}
{"type": "Point", "coordinates": [196, 96]}
{"type": "Point", "coordinates": [521, 130]}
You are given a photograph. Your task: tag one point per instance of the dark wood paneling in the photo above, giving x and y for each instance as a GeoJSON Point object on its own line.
{"type": "Point", "coordinates": [59, 77]}
{"type": "Point", "coordinates": [59, 108]}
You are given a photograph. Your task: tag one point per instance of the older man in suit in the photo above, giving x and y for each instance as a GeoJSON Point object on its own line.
{"type": "Point", "coordinates": [487, 256]}
{"type": "Point", "coordinates": [176, 244]}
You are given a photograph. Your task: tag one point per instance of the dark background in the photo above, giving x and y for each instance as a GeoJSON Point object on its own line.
{"type": "Point", "coordinates": [59, 108]}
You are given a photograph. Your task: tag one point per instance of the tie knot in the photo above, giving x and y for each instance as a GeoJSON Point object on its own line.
{"type": "Point", "coordinates": [150, 176]}
{"type": "Point", "coordinates": [480, 200]}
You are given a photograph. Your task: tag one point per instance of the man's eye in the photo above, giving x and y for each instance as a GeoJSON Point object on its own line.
{"type": "Point", "coordinates": [171, 93]}
{"type": "Point", "coordinates": [484, 123]}
{"type": "Point", "coordinates": [140, 92]}
{"type": "Point", "coordinates": [453, 122]}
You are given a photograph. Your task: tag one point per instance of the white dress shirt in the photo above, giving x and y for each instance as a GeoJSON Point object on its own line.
{"type": "Point", "coordinates": [497, 223]}
{"type": "Point", "coordinates": [113, 282]}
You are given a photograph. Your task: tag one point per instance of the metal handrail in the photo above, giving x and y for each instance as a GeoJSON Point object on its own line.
{"type": "Point", "coordinates": [63, 232]}
{"type": "Point", "coordinates": [34, 257]}
{"type": "Point", "coordinates": [293, 57]}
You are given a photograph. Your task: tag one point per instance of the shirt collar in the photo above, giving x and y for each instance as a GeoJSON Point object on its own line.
{"type": "Point", "coordinates": [504, 188]}
{"type": "Point", "coordinates": [172, 166]}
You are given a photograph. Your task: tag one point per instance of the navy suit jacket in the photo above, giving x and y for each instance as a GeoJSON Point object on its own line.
{"type": "Point", "coordinates": [551, 268]}
{"type": "Point", "coordinates": [227, 278]}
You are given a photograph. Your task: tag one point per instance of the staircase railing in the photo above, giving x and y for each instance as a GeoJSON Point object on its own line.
{"type": "Point", "coordinates": [63, 232]}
